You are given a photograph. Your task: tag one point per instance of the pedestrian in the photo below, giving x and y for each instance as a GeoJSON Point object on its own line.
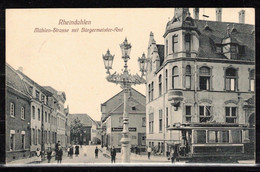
{"type": "Point", "coordinates": [80, 142]}
{"type": "Point", "coordinates": [113, 155]}
{"type": "Point", "coordinates": [68, 150]}
{"type": "Point", "coordinates": [96, 152]}
{"type": "Point", "coordinates": [149, 150]}
{"type": "Point", "coordinates": [56, 149]}
{"type": "Point", "coordinates": [71, 151]}
{"type": "Point", "coordinates": [136, 149]}
{"type": "Point", "coordinates": [174, 153]}
{"type": "Point", "coordinates": [38, 156]}
{"type": "Point", "coordinates": [49, 152]}
{"type": "Point", "coordinates": [59, 155]}
{"type": "Point", "coordinates": [77, 150]}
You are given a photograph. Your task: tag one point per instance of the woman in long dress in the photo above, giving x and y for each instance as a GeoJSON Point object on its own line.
{"type": "Point", "coordinates": [38, 156]}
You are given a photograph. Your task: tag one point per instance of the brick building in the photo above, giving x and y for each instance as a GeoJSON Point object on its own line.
{"type": "Point", "coordinates": [17, 117]}
{"type": "Point", "coordinates": [200, 86]}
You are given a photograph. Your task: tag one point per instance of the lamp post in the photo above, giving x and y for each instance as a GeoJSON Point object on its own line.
{"type": "Point", "coordinates": [126, 80]}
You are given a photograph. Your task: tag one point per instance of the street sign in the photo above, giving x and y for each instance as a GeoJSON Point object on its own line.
{"type": "Point", "coordinates": [131, 129]}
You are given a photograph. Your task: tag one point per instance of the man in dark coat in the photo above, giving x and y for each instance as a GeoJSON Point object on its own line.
{"type": "Point", "coordinates": [96, 152]}
{"type": "Point", "coordinates": [77, 150]}
{"type": "Point", "coordinates": [49, 152]}
{"type": "Point", "coordinates": [113, 155]}
{"type": "Point", "coordinates": [56, 149]}
{"type": "Point", "coordinates": [59, 154]}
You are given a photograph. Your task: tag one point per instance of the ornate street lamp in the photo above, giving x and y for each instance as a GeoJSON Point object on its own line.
{"type": "Point", "coordinates": [125, 80]}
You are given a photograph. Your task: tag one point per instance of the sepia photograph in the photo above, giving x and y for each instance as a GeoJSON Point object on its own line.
{"type": "Point", "coordinates": [130, 86]}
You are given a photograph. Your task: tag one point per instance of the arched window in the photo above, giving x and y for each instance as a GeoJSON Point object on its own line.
{"type": "Point", "coordinates": [166, 79]}
{"type": "Point", "coordinates": [39, 114]}
{"type": "Point", "coordinates": [231, 79]}
{"type": "Point", "coordinates": [204, 78]}
{"type": "Point", "coordinates": [160, 85]}
{"type": "Point", "coordinates": [188, 77]}
{"type": "Point", "coordinates": [252, 80]}
{"type": "Point", "coordinates": [33, 112]}
{"type": "Point", "coordinates": [175, 77]}
{"type": "Point", "coordinates": [174, 43]}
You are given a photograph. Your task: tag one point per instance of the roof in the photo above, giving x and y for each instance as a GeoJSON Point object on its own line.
{"type": "Point", "coordinates": [213, 33]}
{"type": "Point", "coordinates": [84, 118]}
{"type": "Point", "coordinates": [43, 90]}
{"type": "Point", "coordinates": [14, 81]}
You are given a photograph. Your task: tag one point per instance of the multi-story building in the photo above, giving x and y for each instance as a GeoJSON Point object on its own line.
{"type": "Point", "coordinates": [112, 116]}
{"type": "Point", "coordinates": [40, 113]}
{"type": "Point", "coordinates": [200, 86]}
{"type": "Point", "coordinates": [17, 117]}
{"type": "Point", "coordinates": [59, 116]}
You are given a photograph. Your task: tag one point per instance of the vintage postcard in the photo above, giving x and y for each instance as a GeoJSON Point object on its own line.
{"type": "Point", "coordinates": [127, 86]}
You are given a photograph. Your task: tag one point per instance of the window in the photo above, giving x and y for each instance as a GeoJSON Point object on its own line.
{"type": "Point", "coordinates": [49, 117]}
{"type": "Point", "coordinates": [236, 136]}
{"type": "Point", "coordinates": [225, 136]}
{"type": "Point", "coordinates": [188, 77]}
{"type": "Point", "coordinates": [12, 114]}
{"type": "Point", "coordinates": [22, 113]}
{"type": "Point", "coordinates": [175, 43]}
{"type": "Point", "coordinates": [166, 48]}
{"type": "Point", "coordinates": [231, 79]}
{"type": "Point", "coordinates": [166, 80]}
{"type": "Point", "coordinates": [160, 120]}
{"type": "Point", "coordinates": [37, 94]}
{"type": "Point", "coordinates": [149, 92]}
{"type": "Point", "coordinates": [231, 114]}
{"type": "Point", "coordinates": [143, 122]}
{"type": "Point", "coordinates": [175, 77]}
{"type": "Point", "coordinates": [23, 141]}
{"type": "Point", "coordinates": [120, 121]}
{"type": "Point", "coordinates": [12, 142]}
{"type": "Point", "coordinates": [39, 114]}
{"type": "Point", "coordinates": [188, 114]}
{"type": "Point", "coordinates": [160, 85]}
{"type": "Point", "coordinates": [200, 137]}
{"type": "Point", "coordinates": [252, 80]}
{"type": "Point", "coordinates": [213, 137]}
{"type": "Point", "coordinates": [151, 122]}
{"type": "Point", "coordinates": [204, 78]}
{"type": "Point", "coordinates": [152, 91]}
{"type": "Point", "coordinates": [205, 113]}
{"type": "Point", "coordinates": [187, 42]}
{"type": "Point", "coordinates": [39, 136]}
{"type": "Point", "coordinates": [167, 118]}
{"type": "Point", "coordinates": [133, 108]}
{"type": "Point", "coordinates": [46, 117]}
{"type": "Point", "coordinates": [43, 99]}
{"type": "Point", "coordinates": [33, 112]}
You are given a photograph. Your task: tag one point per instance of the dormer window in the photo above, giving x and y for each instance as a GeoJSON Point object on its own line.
{"type": "Point", "coordinates": [37, 95]}
{"type": "Point", "coordinates": [233, 51]}
{"type": "Point", "coordinates": [218, 49]}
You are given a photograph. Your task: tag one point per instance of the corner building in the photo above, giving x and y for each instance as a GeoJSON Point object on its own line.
{"type": "Point", "coordinates": [200, 87]}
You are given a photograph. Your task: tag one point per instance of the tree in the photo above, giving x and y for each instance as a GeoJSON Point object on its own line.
{"type": "Point", "coordinates": [76, 129]}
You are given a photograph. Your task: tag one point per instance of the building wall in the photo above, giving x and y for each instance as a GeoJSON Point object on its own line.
{"type": "Point", "coordinates": [17, 126]}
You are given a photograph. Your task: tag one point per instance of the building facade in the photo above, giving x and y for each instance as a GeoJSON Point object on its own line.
{"type": "Point", "coordinates": [200, 86]}
{"type": "Point", "coordinates": [112, 116]}
{"type": "Point", "coordinates": [17, 117]}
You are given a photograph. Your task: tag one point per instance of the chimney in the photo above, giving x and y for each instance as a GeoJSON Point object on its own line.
{"type": "Point", "coordinates": [241, 16]}
{"type": "Point", "coordinates": [20, 69]}
{"type": "Point", "coordinates": [196, 12]}
{"type": "Point", "coordinates": [219, 14]}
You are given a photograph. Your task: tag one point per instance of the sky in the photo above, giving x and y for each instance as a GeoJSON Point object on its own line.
{"type": "Point", "coordinates": [72, 61]}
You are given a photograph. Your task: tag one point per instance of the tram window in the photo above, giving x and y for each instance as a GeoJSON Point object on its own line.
{"type": "Point", "coordinates": [236, 136]}
{"type": "Point", "coordinates": [213, 136]}
{"type": "Point", "coordinates": [225, 136]}
{"type": "Point", "coordinates": [201, 136]}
